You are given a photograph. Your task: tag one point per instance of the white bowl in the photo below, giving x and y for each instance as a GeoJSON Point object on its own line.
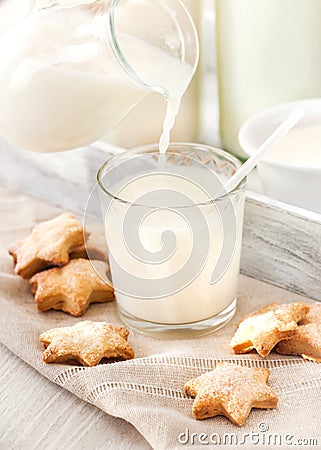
{"type": "Point", "coordinates": [300, 186]}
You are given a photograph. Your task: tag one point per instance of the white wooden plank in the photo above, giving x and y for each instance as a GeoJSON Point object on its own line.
{"type": "Point", "coordinates": [282, 245]}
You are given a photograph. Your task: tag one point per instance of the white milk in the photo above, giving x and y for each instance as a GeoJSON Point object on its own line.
{"type": "Point", "coordinates": [301, 147]}
{"type": "Point", "coordinates": [198, 300]}
{"type": "Point", "coordinates": [55, 96]}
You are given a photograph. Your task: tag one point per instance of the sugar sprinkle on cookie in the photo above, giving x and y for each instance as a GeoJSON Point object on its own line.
{"type": "Point", "coordinates": [86, 342]}
{"type": "Point", "coordinates": [231, 390]}
{"type": "Point", "coordinates": [48, 245]}
{"type": "Point", "coordinates": [73, 287]}
{"type": "Point", "coordinates": [265, 328]}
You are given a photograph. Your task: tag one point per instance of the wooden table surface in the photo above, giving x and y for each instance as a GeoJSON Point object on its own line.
{"type": "Point", "coordinates": [37, 414]}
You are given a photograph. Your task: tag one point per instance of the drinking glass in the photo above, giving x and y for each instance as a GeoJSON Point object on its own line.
{"type": "Point", "coordinates": [173, 237]}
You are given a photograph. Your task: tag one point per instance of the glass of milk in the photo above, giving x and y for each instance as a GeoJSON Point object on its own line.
{"type": "Point", "coordinates": [174, 245]}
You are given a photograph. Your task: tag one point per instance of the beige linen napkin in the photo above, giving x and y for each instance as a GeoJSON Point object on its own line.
{"type": "Point", "coordinates": [148, 391]}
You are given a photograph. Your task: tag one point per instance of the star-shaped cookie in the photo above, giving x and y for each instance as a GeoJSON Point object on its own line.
{"type": "Point", "coordinates": [232, 391]}
{"type": "Point", "coordinates": [265, 328]}
{"type": "Point", "coordinates": [48, 245]}
{"type": "Point", "coordinates": [73, 287]}
{"type": "Point", "coordinates": [306, 340]}
{"type": "Point", "coordinates": [86, 342]}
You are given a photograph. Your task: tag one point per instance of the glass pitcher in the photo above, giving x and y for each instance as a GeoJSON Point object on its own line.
{"type": "Point", "coordinates": [72, 70]}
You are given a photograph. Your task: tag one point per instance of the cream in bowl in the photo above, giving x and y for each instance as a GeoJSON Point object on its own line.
{"type": "Point", "coordinates": [291, 170]}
